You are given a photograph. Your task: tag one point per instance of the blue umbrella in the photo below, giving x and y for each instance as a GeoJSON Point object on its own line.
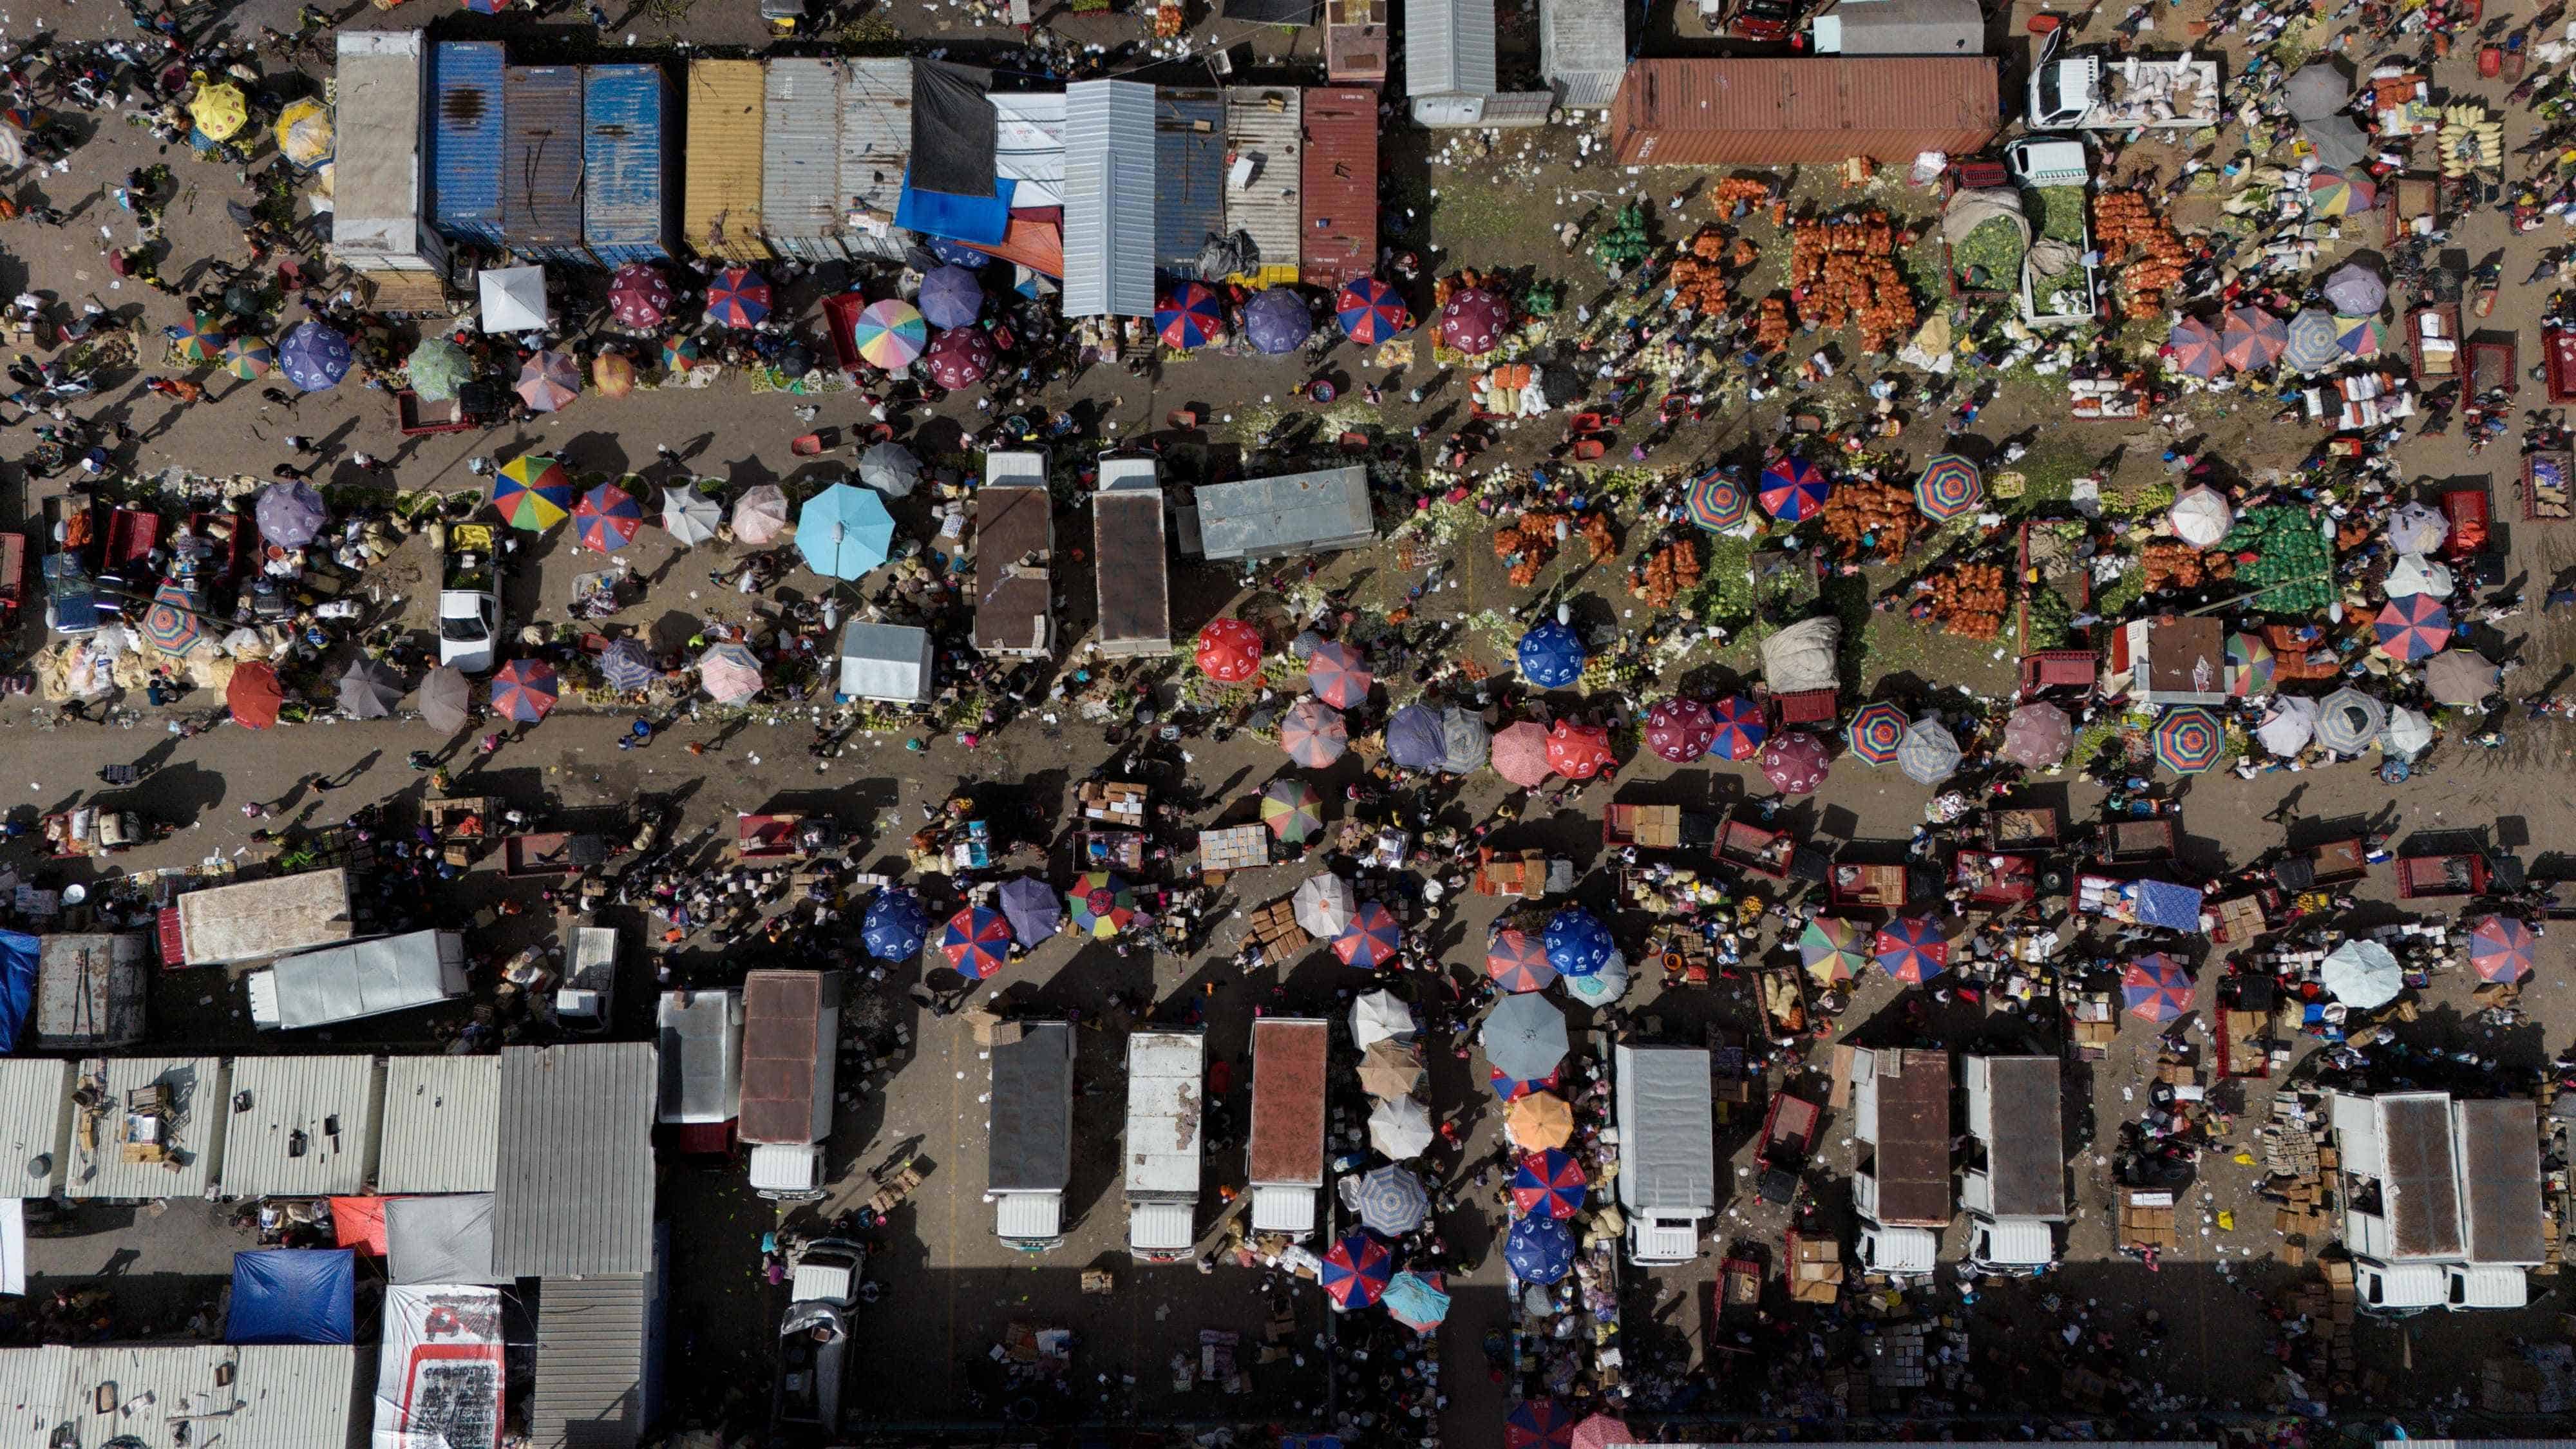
{"type": "Point", "coordinates": [1578, 945]}
{"type": "Point", "coordinates": [290, 514]}
{"type": "Point", "coordinates": [315, 357]}
{"type": "Point", "coordinates": [1551, 656]}
{"type": "Point", "coordinates": [628, 666]}
{"type": "Point", "coordinates": [896, 927]}
{"type": "Point", "coordinates": [1415, 740]}
{"type": "Point", "coordinates": [844, 532]}
{"type": "Point", "coordinates": [1540, 1249]}
{"type": "Point", "coordinates": [1277, 321]}
{"type": "Point", "coordinates": [1032, 908]}
{"type": "Point", "coordinates": [950, 297]}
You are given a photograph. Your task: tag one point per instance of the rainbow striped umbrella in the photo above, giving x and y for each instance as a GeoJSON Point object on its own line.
{"type": "Point", "coordinates": [1101, 905]}
{"type": "Point", "coordinates": [171, 625]}
{"type": "Point", "coordinates": [1371, 939]}
{"type": "Point", "coordinates": [1910, 948]}
{"type": "Point", "coordinates": [1356, 1270]}
{"type": "Point", "coordinates": [1878, 732]}
{"type": "Point", "coordinates": [1740, 728]}
{"type": "Point", "coordinates": [1370, 311]}
{"type": "Point", "coordinates": [2502, 949]}
{"type": "Point", "coordinates": [525, 690]}
{"type": "Point", "coordinates": [738, 297]}
{"type": "Point", "coordinates": [1793, 488]}
{"type": "Point", "coordinates": [200, 339]}
{"type": "Point", "coordinates": [249, 358]}
{"type": "Point", "coordinates": [2156, 988]}
{"type": "Point", "coordinates": [1189, 316]}
{"type": "Point", "coordinates": [891, 334]}
{"type": "Point", "coordinates": [1292, 810]}
{"type": "Point", "coordinates": [2249, 664]}
{"type": "Point", "coordinates": [680, 353]}
{"type": "Point", "coordinates": [1718, 501]}
{"type": "Point", "coordinates": [977, 942]}
{"type": "Point", "coordinates": [606, 518]}
{"type": "Point", "coordinates": [2189, 739]}
{"type": "Point", "coordinates": [1335, 675]}
{"type": "Point", "coordinates": [1550, 1183]}
{"type": "Point", "coordinates": [1680, 730]}
{"type": "Point", "coordinates": [1518, 963]}
{"type": "Point", "coordinates": [2337, 193]}
{"type": "Point", "coordinates": [2417, 626]}
{"type": "Point", "coordinates": [1831, 951]}
{"type": "Point", "coordinates": [1950, 486]}
{"type": "Point", "coordinates": [533, 493]}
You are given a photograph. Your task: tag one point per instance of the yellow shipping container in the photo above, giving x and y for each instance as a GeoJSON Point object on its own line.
{"type": "Point", "coordinates": [720, 192]}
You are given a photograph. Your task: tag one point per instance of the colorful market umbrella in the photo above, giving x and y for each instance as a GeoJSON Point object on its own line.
{"type": "Point", "coordinates": [314, 356]}
{"type": "Point", "coordinates": [200, 339]}
{"type": "Point", "coordinates": [2037, 736]}
{"type": "Point", "coordinates": [2156, 988]}
{"type": "Point", "coordinates": [639, 296]}
{"type": "Point", "coordinates": [2189, 739]}
{"type": "Point", "coordinates": [1878, 732]}
{"type": "Point", "coordinates": [1794, 762]}
{"type": "Point", "coordinates": [2415, 627]}
{"type": "Point", "coordinates": [2310, 342]}
{"type": "Point", "coordinates": [220, 110]}
{"type": "Point", "coordinates": [1473, 321]}
{"type": "Point", "coordinates": [438, 368]}
{"type": "Point", "coordinates": [251, 358]}
{"type": "Point", "coordinates": [2252, 339]}
{"type": "Point", "coordinates": [290, 514]}
{"type": "Point", "coordinates": [950, 297]}
{"type": "Point", "coordinates": [1539, 1424]}
{"type": "Point", "coordinates": [1549, 1184]}
{"type": "Point", "coordinates": [2250, 664]}
{"type": "Point", "coordinates": [525, 690]}
{"type": "Point", "coordinates": [1100, 905]}
{"type": "Point", "coordinates": [1740, 728]}
{"type": "Point", "coordinates": [628, 666]}
{"type": "Point", "coordinates": [681, 353]}
{"type": "Point", "coordinates": [1539, 1250]}
{"type": "Point", "coordinates": [549, 381]}
{"type": "Point", "coordinates": [1600, 1431]}
{"type": "Point", "coordinates": [1189, 316]}
{"type": "Point", "coordinates": [760, 514]}
{"type": "Point", "coordinates": [959, 357]}
{"type": "Point", "coordinates": [2340, 193]}
{"type": "Point", "coordinates": [1520, 754]}
{"type": "Point", "coordinates": [1577, 943]}
{"type": "Point", "coordinates": [1518, 963]}
{"type": "Point", "coordinates": [1356, 1270]}
{"type": "Point", "coordinates": [1910, 949]}
{"type": "Point", "coordinates": [1509, 1088]}
{"type": "Point", "coordinates": [1391, 1200]}
{"type": "Point", "coordinates": [1578, 752]}
{"type": "Point", "coordinates": [730, 674]}
{"type": "Point", "coordinates": [1335, 675]}
{"type": "Point", "coordinates": [890, 334]}
{"type": "Point", "coordinates": [1229, 651]}
{"type": "Point", "coordinates": [533, 492]}
{"type": "Point", "coordinates": [253, 694]}
{"type": "Point", "coordinates": [2502, 949]}
{"type": "Point", "coordinates": [1949, 486]}
{"type": "Point", "coordinates": [1793, 488]}
{"type": "Point", "coordinates": [2193, 350]}
{"type": "Point", "coordinates": [1276, 322]}
{"type": "Point", "coordinates": [1551, 655]}
{"type": "Point", "coordinates": [737, 297]}
{"type": "Point", "coordinates": [1371, 939]}
{"type": "Point", "coordinates": [1370, 311]}
{"type": "Point", "coordinates": [977, 942]}
{"type": "Point", "coordinates": [304, 132]}
{"type": "Point", "coordinates": [896, 926]}
{"type": "Point", "coordinates": [2359, 337]}
{"type": "Point", "coordinates": [612, 374]}
{"type": "Point", "coordinates": [1680, 730]}
{"type": "Point", "coordinates": [1717, 501]}
{"type": "Point", "coordinates": [1538, 1121]}
{"type": "Point", "coordinates": [607, 518]}
{"type": "Point", "coordinates": [172, 624]}
{"type": "Point", "coordinates": [1292, 809]}
{"type": "Point", "coordinates": [1831, 950]}
{"type": "Point", "coordinates": [845, 532]}
{"type": "Point", "coordinates": [1313, 734]}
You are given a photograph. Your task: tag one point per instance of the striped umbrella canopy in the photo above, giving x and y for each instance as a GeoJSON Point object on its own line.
{"type": "Point", "coordinates": [2311, 345]}
{"type": "Point", "coordinates": [1229, 651]}
{"type": "Point", "coordinates": [1276, 322]}
{"type": "Point", "coordinates": [1335, 675]}
{"type": "Point", "coordinates": [2502, 948]}
{"type": "Point", "coordinates": [2360, 336]}
{"type": "Point", "coordinates": [1391, 1200]}
{"type": "Point", "coordinates": [1518, 963]}
{"type": "Point", "coordinates": [1355, 1271]}
{"type": "Point", "coordinates": [2250, 664]}
{"type": "Point", "coordinates": [639, 296]}
{"type": "Point", "coordinates": [525, 690]}
{"type": "Point", "coordinates": [959, 357]}
{"type": "Point", "coordinates": [1949, 486]}
{"type": "Point", "coordinates": [2340, 193]}
{"type": "Point", "coordinates": [737, 297]}
{"type": "Point", "coordinates": [1832, 950]}
{"type": "Point", "coordinates": [1878, 732]}
{"type": "Point", "coordinates": [1100, 905]}
{"type": "Point", "coordinates": [2037, 735]}
{"type": "Point", "coordinates": [1370, 311]}
{"type": "Point", "coordinates": [1910, 949]}
{"type": "Point", "coordinates": [1794, 762]}
{"type": "Point", "coordinates": [891, 334]}
{"type": "Point", "coordinates": [549, 381]}
{"type": "Point", "coordinates": [253, 694]}
{"type": "Point", "coordinates": [1473, 321]}
{"type": "Point", "coordinates": [2195, 350]}
{"type": "Point", "coordinates": [2417, 626]}
{"type": "Point", "coordinates": [1511, 1089]}
{"type": "Point", "coordinates": [1578, 752]}
{"type": "Point", "coordinates": [1539, 1250]}
{"type": "Point", "coordinates": [1551, 655]}
{"type": "Point", "coordinates": [2252, 338]}
{"type": "Point", "coordinates": [628, 666]}
{"type": "Point", "coordinates": [607, 518]}
{"type": "Point", "coordinates": [171, 625]}
{"type": "Point", "coordinates": [1740, 727]}
{"type": "Point", "coordinates": [251, 358]}
{"type": "Point", "coordinates": [2189, 739]}
{"type": "Point", "coordinates": [1578, 944]}
{"type": "Point", "coordinates": [1718, 501]}
{"type": "Point", "coordinates": [2349, 721]}
{"type": "Point", "coordinates": [977, 942]}
{"type": "Point", "coordinates": [1312, 733]}
{"type": "Point", "coordinates": [1371, 939]}
{"type": "Point", "coordinates": [200, 339]}
{"type": "Point", "coordinates": [730, 674]}
{"type": "Point", "coordinates": [1680, 730]}
{"type": "Point", "coordinates": [951, 297]}
{"type": "Point", "coordinates": [2156, 988]}
{"type": "Point", "coordinates": [1549, 1183]}
{"type": "Point", "coordinates": [896, 926]}
{"type": "Point", "coordinates": [1189, 316]}
{"type": "Point", "coordinates": [681, 353]}
{"type": "Point", "coordinates": [316, 357]}
{"type": "Point", "coordinates": [1539, 1424]}
{"type": "Point", "coordinates": [1793, 488]}
{"type": "Point", "coordinates": [1600, 1431]}
{"type": "Point", "coordinates": [1292, 810]}
{"type": "Point", "coordinates": [1930, 753]}
{"type": "Point", "coordinates": [612, 374]}
{"type": "Point", "coordinates": [1520, 754]}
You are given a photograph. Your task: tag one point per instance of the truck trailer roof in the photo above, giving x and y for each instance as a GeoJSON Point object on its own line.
{"type": "Point", "coordinates": [1288, 1057]}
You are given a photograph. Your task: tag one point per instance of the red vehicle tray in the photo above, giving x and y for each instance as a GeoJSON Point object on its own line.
{"type": "Point", "coordinates": [419, 419]}
{"type": "Point", "coordinates": [2471, 522]}
{"type": "Point", "coordinates": [1750, 847]}
{"type": "Point", "coordinates": [2558, 353]}
{"type": "Point", "coordinates": [2462, 874]}
{"type": "Point", "coordinates": [841, 319]}
{"type": "Point", "coordinates": [2494, 366]}
{"type": "Point", "coordinates": [1995, 879]}
{"type": "Point", "coordinates": [13, 574]}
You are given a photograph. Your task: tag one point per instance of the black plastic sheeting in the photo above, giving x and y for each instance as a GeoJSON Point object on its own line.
{"type": "Point", "coordinates": [1272, 12]}
{"type": "Point", "coordinates": [954, 129]}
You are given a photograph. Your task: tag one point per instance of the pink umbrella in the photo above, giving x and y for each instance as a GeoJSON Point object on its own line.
{"type": "Point", "coordinates": [959, 357]}
{"type": "Point", "coordinates": [760, 515]}
{"type": "Point", "coordinates": [1680, 730]}
{"type": "Point", "coordinates": [639, 296]}
{"type": "Point", "coordinates": [1520, 755]}
{"type": "Point", "coordinates": [1473, 321]}
{"type": "Point", "coordinates": [1794, 762]}
{"type": "Point", "coordinates": [1602, 1432]}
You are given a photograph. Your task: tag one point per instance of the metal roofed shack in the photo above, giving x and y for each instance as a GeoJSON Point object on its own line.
{"type": "Point", "coordinates": [599, 1360]}
{"type": "Point", "coordinates": [1583, 50]}
{"type": "Point", "coordinates": [890, 662]}
{"type": "Point", "coordinates": [1901, 27]}
{"type": "Point", "coordinates": [302, 1126]}
{"type": "Point", "coordinates": [1264, 184]}
{"type": "Point", "coordinates": [154, 1128]}
{"type": "Point", "coordinates": [2499, 1174]}
{"type": "Point", "coordinates": [1130, 566]}
{"type": "Point", "coordinates": [380, 212]}
{"type": "Point", "coordinates": [1268, 517]}
{"type": "Point", "coordinates": [1339, 238]}
{"type": "Point", "coordinates": [35, 1126]}
{"type": "Point", "coordinates": [575, 1170]}
{"type": "Point", "coordinates": [91, 989]}
{"type": "Point", "coordinates": [721, 177]}
{"type": "Point", "coordinates": [1030, 1145]}
{"type": "Point", "coordinates": [1015, 557]}
{"type": "Point", "coordinates": [1901, 1110]}
{"type": "Point", "coordinates": [442, 1128]}
{"type": "Point", "coordinates": [275, 1396]}
{"type": "Point", "coordinates": [361, 979]}
{"type": "Point", "coordinates": [1108, 198]}
{"type": "Point", "coordinates": [1795, 111]}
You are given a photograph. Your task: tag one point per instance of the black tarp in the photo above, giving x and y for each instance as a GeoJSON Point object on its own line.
{"type": "Point", "coordinates": [953, 129]}
{"type": "Point", "coordinates": [1272, 12]}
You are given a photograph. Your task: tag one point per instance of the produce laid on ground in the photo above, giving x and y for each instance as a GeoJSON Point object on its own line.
{"type": "Point", "coordinates": [1865, 517]}
{"type": "Point", "coordinates": [2122, 225]}
{"type": "Point", "coordinates": [1844, 271]}
{"type": "Point", "coordinates": [2170, 563]}
{"type": "Point", "coordinates": [1969, 600]}
{"type": "Point", "coordinates": [1667, 574]}
{"type": "Point", "coordinates": [2279, 553]}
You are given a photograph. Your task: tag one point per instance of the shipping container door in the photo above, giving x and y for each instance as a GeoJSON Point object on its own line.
{"type": "Point", "coordinates": [541, 163]}
{"type": "Point", "coordinates": [800, 159]}
{"type": "Point", "coordinates": [626, 206]}
{"type": "Point", "coordinates": [721, 177]}
{"type": "Point", "coordinates": [465, 141]}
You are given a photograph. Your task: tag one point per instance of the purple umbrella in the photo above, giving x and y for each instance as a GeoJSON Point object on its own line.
{"type": "Point", "coordinates": [1277, 321]}
{"type": "Point", "coordinates": [1031, 906]}
{"type": "Point", "coordinates": [290, 514]}
{"type": "Point", "coordinates": [951, 297]}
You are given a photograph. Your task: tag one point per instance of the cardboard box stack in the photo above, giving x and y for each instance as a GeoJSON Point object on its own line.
{"type": "Point", "coordinates": [1815, 1269]}
{"type": "Point", "coordinates": [1113, 802]}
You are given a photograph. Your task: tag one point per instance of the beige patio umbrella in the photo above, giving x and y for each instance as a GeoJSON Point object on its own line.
{"type": "Point", "coordinates": [1391, 1069]}
{"type": "Point", "coordinates": [1539, 1121]}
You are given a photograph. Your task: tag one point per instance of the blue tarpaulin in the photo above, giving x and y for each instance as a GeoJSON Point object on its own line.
{"type": "Point", "coordinates": [294, 1295]}
{"type": "Point", "coordinates": [2174, 907]}
{"type": "Point", "coordinates": [18, 956]}
{"type": "Point", "coordinates": [985, 219]}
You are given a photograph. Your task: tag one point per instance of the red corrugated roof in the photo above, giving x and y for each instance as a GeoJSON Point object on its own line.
{"type": "Point", "coordinates": [1340, 234]}
{"type": "Point", "coordinates": [1801, 110]}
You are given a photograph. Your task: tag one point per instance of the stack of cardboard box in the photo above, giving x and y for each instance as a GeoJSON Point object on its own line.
{"type": "Point", "coordinates": [2342, 1302]}
{"type": "Point", "coordinates": [1113, 802]}
{"type": "Point", "coordinates": [2147, 1220]}
{"type": "Point", "coordinates": [1815, 1269]}
{"type": "Point", "coordinates": [2096, 1024]}
{"type": "Point", "coordinates": [1275, 927]}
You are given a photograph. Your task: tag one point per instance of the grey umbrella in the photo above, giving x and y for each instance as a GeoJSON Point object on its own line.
{"type": "Point", "coordinates": [890, 469]}
{"type": "Point", "coordinates": [1032, 908]}
{"type": "Point", "coordinates": [2338, 140]}
{"type": "Point", "coordinates": [446, 696]}
{"type": "Point", "coordinates": [369, 690]}
{"type": "Point", "coordinates": [1465, 743]}
{"type": "Point", "coordinates": [2459, 676]}
{"type": "Point", "coordinates": [2355, 291]}
{"type": "Point", "coordinates": [289, 514]}
{"type": "Point", "coordinates": [2316, 91]}
{"type": "Point", "coordinates": [1392, 1202]}
{"type": "Point", "coordinates": [2349, 720]}
{"type": "Point", "coordinates": [1525, 1037]}
{"type": "Point", "coordinates": [1929, 753]}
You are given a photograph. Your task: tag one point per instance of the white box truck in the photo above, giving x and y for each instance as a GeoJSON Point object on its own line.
{"type": "Point", "coordinates": [588, 995]}
{"type": "Point", "coordinates": [1029, 1147]}
{"type": "Point", "coordinates": [2087, 93]}
{"type": "Point", "coordinates": [1284, 1154]}
{"type": "Point", "coordinates": [2017, 1192]}
{"type": "Point", "coordinates": [1667, 1150]}
{"type": "Point", "coordinates": [1901, 1119]}
{"type": "Point", "coordinates": [2442, 1199]}
{"type": "Point", "coordinates": [791, 1033]}
{"type": "Point", "coordinates": [1166, 1109]}
{"type": "Point", "coordinates": [361, 979]}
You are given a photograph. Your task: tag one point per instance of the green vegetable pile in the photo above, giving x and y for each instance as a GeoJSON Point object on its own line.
{"type": "Point", "coordinates": [2056, 212]}
{"type": "Point", "coordinates": [1989, 257]}
{"type": "Point", "coordinates": [2293, 569]}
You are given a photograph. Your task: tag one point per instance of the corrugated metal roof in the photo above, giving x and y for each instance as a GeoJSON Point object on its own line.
{"type": "Point", "coordinates": [1293, 513]}
{"type": "Point", "coordinates": [591, 1350]}
{"type": "Point", "coordinates": [261, 918]}
{"type": "Point", "coordinates": [2026, 1156]}
{"type": "Point", "coordinates": [1014, 599]}
{"type": "Point", "coordinates": [1028, 1141]}
{"type": "Point", "coordinates": [302, 1126]}
{"type": "Point", "coordinates": [875, 147]}
{"type": "Point", "coordinates": [1583, 49]}
{"type": "Point", "coordinates": [2420, 1182]}
{"type": "Point", "coordinates": [465, 140]}
{"type": "Point", "coordinates": [800, 149]}
{"type": "Point", "coordinates": [700, 1033]}
{"type": "Point", "coordinates": [1449, 48]}
{"type": "Point", "coordinates": [627, 204]}
{"type": "Point", "coordinates": [287, 1396]}
{"type": "Point", "coordinates": [376, 162]}
{"type": "Point", "coordinates": [542, 160]}
{"type": "Point", "coordinates": [1339, 237]}
{"type": "Point", "coordinates": [91, 988]}
{"type": "Point", "coordinates": [198, 1116]}
{"type": "Point", "coordinates": [2500, 1183]}
{"type": "Point", "coordinates": [1189, 176]}
{"type": "Point", "coordinates": [1906, 27]}
{"type": "Point", "coordinates": [294, 1395]}
{"type": "Point", "coordinates": [35, 1123]}
{"type": "Point", "coordinates": [721, 182]}
{"type": "Point", "coordinates": [1261, 126]}
{"type": "Point", "coordinates": [1801, 110]}
{"type": "Point", "coordinates": [574, 1192]}
{"type": "Point", "coordinates": [1109, 212]}
{"type": "Point", "coordinates": [442, 1127]}
{"type": "Point", "coordinates": [31, 1393]}
{"type": "Point", "coordinates": [788, 1042]}
{"type": "Point", "coordinates": [1133, 577]}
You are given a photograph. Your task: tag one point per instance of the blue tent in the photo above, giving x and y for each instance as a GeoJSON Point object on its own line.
{"type": "Point", "coordinates": [18, 957]}
{"type": "Point", "coordinates": [896, 926]}
{"type": "Point", "coordinates": [844, 531]}
{"type": "Point", "coordinates": [1540, 1249]}
{"type": "Point", "coordinates": [1415, 739]}
{"type": "Point", "coordinates": [294, 1295]}
{"type": "Point", "coordinates": [1551, 656]}
{"type": "Point", "coordinates": [985, 219]}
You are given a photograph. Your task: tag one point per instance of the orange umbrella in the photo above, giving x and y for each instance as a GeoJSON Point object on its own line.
{"type": "Point", "coordinates": [254, 694]}
{"type": "Point", "coordinates": [1539, 1121]}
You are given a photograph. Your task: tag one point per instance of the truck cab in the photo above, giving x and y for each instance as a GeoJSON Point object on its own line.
{"type": "Point", "coordinates": [1166, 1102]}
{"type": "Point", "coordinates": [2487, 1285]}
{"type": "Point", "coordinates": [814, 1336]}
{"type": "Point", "coordinates": [2036, 161]}
{"type": "Point", "coordinates": [2400, 1290]}
{"type": "Point", "coordinates": [588, 995]}
{"type": "Point", "coordinates": [2010, 1247]}
{"type": "Point", "coordinates": [469, 599]}
{"type": "Point", "coordinates": [1901, 1251]}
{"type": "Point", "coordinates": [2062, 91]}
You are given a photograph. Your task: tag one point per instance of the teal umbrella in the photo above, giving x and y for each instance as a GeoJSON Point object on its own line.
{"type": "Point", "coordinates": [844, 531]}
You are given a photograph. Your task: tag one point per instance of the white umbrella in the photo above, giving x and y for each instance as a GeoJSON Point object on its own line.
{"type": "Point", "coordinates": [1324, 905]}
{"type": "Point", "coordinates": [1401, 1128]}
{"type": "Point", "coordinates": [2413, 574]}
{"type": "Point", "coordinates": [2417, 528]}
{"type": "Point", "coordinates": [2201, 517]}
{"type": "Point", "coordinates": [1378, 1017]}
{"type": "Point", "coordinates": [760, 515]}
{"type": "Point", "coordinates": [1601, 987]}
{"type": "Point", "coordinates": [2288, 725]}
{"type": "Point", "coordinates": [2362, 974]}
{"type": "Point", "coordinates": [2407, 734]}
{"type": "Point", "coordinates": [689, 516]}
{"type": "Point", "coordinates": [514, 298]}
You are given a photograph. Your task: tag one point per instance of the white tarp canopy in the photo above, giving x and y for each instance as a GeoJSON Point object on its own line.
{"type": "Point", "coordinates": [514, 298]}
{"type": "Point", "coordinates": [1028, 147]}
{"type": "Point", "coordinates": [885, 661]}
{"type": "Point", "coordinates": [2413, 573]}
{"type": "Point", "coordinates": [1801, 657]}
{"type": "Point", "coordinates": [439, 1239]}
{"type": "Point", "coordinates": [2288, 724]}
{"type": "Point", "coordinates": [2362, 974]}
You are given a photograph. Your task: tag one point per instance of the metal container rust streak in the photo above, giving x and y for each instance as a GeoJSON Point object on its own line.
{"type": "Point", "coordinates": [1803, 111]}
{"type": "Point", "coordinates": [1339, 239]}
{"type": "Point", "coordinates": [465, 140]}
{"type": "Point", "coordinates": [542, 171]}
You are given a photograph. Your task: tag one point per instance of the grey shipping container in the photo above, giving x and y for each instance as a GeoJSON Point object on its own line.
{"type": "Point", "coordinates": [800, 209]}
{"type": "Point", "coordinates": [541, 162]}
{"type": "Point", "coordinates": [1802, 111]}
{"type": "Point", "coordinates": [1189, 176]}
{"type": "Point", "coordinates": [876, 149]}
{"type": "Point", "coordinates": [465, 141]}
{"type": "Point", "coordinates": [1582, 50]}
{"type": "Point", "coordinates": [630, 206]}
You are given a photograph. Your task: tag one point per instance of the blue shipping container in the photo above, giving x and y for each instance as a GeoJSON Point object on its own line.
{"type": "Point", "coordinates": [1189, 176]}
{"type": "Point", "coordinates": [465, 141]}
{"type": "Point", "coordinates": [630, 208]}
{"type": "Point", "coordinates": [541, 162]}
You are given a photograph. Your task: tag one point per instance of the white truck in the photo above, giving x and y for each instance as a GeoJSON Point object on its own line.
{"type": "Point", "coordinates": [1284, 1152]}
{"type": "Point", "coordinates": [791, 1038]}
{"type": "Point", "coordinates": [2088, 93]}
{"type": "Point", "coordinates": [2060, 281]}
{"type": "Point", "coordinates": [1901, 1118]}
{"type": "Point", "coordinates": [1667, 1132]}
{"type": "Point", "coordinates": [1166, 1110]}
{"type": "Point", "coordinates": [1029, 1148]}
{"type": "Point", "coordinates": [361, 979]}
{"type": "Point", "coordinates": [2442, 1199]}
{"type": "Point", "coordinates": [469, 598]}
{"type": "Point", "coordinates": [588, 995]}
{"type": "Point", "coordinates": [2017, 1194]}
